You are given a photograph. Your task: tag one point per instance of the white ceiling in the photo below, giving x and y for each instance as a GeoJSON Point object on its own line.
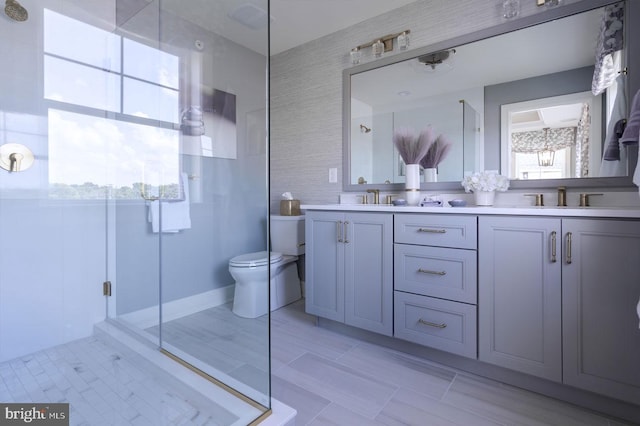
{"type": "Point", "coordinates": [293, 22]}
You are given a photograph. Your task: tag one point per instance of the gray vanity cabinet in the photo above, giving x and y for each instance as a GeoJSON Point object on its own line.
{"type": "Point", "coordinates": [557, 299]}
{"type": "Point", "coordinates": [349, 268]}
{"type": "Point", "coordinates": [520, 294]}
{"type": "Point", "coordinates": [600, 291]}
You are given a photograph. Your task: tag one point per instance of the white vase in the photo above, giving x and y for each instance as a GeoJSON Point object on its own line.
{"type": "Point", "coordinates": [431, 174]}
{"type": "Point", "coordinates": [412, 184]}
{"type": "Point", "coordinates": [484, 198]}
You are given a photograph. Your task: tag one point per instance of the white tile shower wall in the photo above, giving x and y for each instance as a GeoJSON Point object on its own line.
{"type": "Point", "coordinates": [306, 89]}
{"type": "Point", "coordinates": [52, 263]}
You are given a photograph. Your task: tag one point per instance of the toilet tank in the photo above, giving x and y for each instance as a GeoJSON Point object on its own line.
{"type": "Point", "coordinates": [287, 234]}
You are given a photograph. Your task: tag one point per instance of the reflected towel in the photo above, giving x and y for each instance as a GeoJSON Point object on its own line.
{"type": "Point", "coordinates": [630, 135]}
{"type": "Point", "coordinates": [176, 215]}
{"type": "Point", "coordinates": [618, 112]}
{"type": "Point", "coordinates": [612, 153]}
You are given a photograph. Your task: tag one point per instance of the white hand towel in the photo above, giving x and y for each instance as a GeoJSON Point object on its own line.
{"type": "Point", "coordinates": [176, 215]}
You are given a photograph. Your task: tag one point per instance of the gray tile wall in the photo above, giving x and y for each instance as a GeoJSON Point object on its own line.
{"type": "Point", "coordinates": [306, 89]}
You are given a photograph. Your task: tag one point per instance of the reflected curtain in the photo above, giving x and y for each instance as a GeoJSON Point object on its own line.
{"type": "Point", "coordinates": [536, 140]}
{"type": "Point", "coordinates": [610, 41]}
{"type": "Point", "coordinates": [557, 139]}
{"type": "Point", "coordinates": [582, 143]}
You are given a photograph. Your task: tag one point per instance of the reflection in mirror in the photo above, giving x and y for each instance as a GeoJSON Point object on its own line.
{"type": "Point", "coordinates": [552, 138]}
{"type": "Point", "coordinates": [484, 91]}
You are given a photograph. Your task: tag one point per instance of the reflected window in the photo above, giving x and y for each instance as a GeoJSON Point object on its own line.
{"type": "Point", "coordinates": [569, 126]}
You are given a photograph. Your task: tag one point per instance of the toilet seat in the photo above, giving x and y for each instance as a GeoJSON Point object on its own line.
{"type": "Point", "coordinates": [254, 260]}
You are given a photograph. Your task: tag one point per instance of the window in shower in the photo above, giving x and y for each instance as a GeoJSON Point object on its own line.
{"type": "Point", "coordinates": [113, 127]}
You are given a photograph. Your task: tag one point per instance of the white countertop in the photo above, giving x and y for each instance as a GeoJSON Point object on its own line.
{"type": "Point", "coordinates": [607, 212]}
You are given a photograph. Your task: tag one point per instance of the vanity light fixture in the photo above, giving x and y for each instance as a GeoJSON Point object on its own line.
{"type": "Point", "coordinates": [380, 45]}
{"type": "Point", "coordinates": [510, 8]}
{"type": "Point", "coordinates": [546, 156]}
{"type": "Point", "coordinates": [548, 3]}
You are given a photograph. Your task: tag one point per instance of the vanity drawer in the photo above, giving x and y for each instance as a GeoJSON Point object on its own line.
{"type": "Point", "coordinates": [440, 324]}
{"type": "Point", "coordinates": [436, 230]}
{"type": "Point", "coordinates": [435, 271]}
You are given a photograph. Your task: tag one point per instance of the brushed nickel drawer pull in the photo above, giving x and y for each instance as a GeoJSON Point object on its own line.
{"type": "Point", "coordinates": [569, 235]}
{"type": "Point", "coordinates": [429, 271]}
{"type": "Point", "coordinates": [346, 232]}
{"type": "Point", "coordinates": [339, 230]}
{"type": "Point", "coordinates": [431, 324]}
{"type": "Point", "coordinates": [433, 231]}
{"type": "Point", "coordinates": [553, 247]}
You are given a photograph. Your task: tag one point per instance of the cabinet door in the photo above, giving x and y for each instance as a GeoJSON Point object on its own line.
{"type": "Point", "coordinates": [601, 287]}
{"type": "Point", "coordinates": [520, 294]}
{"type": "Point", "coordinates": [369, 271]}
{"type": "Point", "coordinates": [324, 264]}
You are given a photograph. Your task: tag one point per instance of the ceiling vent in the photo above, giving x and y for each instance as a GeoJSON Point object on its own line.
{"type": "Point", "coordinates": [250, 16]}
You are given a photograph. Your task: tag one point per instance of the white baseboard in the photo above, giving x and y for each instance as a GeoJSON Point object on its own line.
{"type": "Point", "coordinates": [148, 317]}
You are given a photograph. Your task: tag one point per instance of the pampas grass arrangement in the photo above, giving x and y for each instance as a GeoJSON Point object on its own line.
{"type": "Point", "coordinates": [437, 152]}
{"type": "Point", "coordinates": [410, 148]}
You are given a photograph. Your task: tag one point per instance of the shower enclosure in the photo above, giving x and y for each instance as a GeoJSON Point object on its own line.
{"type": "Point", "coordinates": [147, 125]}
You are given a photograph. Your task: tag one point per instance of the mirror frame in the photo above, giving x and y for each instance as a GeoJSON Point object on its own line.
{"type": "Point", "coordinates": [632, 33]}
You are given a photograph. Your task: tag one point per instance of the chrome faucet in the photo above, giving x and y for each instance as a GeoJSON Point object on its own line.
{"type": "Point", "coordinates": [562, 196]}
{"type": "Point", "coordinates": [376, 195]}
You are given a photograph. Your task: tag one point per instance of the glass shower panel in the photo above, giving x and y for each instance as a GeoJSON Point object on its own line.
{"type": "Point", "coordinates": [221, 209]}
{"type": "Point", "coordinates": [470, 138]}
{"type": "Point", "coordinates": [198, 194]}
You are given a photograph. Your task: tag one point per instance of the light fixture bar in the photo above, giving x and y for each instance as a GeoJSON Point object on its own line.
{"type": "Point", "coordinates": [386, 40]}
{"type": "Point", "coordinates": [379, 45]}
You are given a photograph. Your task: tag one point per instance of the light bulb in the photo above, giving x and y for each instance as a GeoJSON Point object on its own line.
{"type": "Point", "coordinates": [403, 41]}
{"type": "Point", "coordinates": [356, 55]}
{"type": "Point", "coordinates": [510, 8]}
{"type": "Point", "coordinates": [378, 48]}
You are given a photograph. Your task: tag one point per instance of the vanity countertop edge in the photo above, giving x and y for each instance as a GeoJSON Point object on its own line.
{"type": "Point", "coordinates": [604, 212]}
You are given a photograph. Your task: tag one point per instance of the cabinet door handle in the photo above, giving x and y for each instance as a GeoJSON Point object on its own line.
{"type": "Point", "coordinates": [431, 324]}
{"type": "Point", "coordinates": [339, 230]}
{"type": "Point", "coordinates": [433, 231]}
{"type": "Point", "coordinates": [553, 246]}
{"type": "Point", "coordinates": [428, 271]}
{"type": "Point", "coordinates": [568, 259]}
{"type": "Point", "coordinates": [346, 231]}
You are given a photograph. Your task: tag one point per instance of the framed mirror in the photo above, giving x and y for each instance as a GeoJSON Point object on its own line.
{"type": "Point", "coordinates": [505, 96]}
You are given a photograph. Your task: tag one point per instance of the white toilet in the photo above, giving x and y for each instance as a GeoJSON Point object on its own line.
{"type": "Point", "coordinates": [250, 270]}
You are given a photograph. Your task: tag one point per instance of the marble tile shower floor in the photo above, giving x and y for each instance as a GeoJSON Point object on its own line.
{"type": "Point", "coordinates": [332, 379]}
{"type": "Point", "coordinates": [107, 383]}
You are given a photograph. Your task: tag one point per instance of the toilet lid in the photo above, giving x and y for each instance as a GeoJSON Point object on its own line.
{"type": "Point", "coordinates": [252, 260]}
